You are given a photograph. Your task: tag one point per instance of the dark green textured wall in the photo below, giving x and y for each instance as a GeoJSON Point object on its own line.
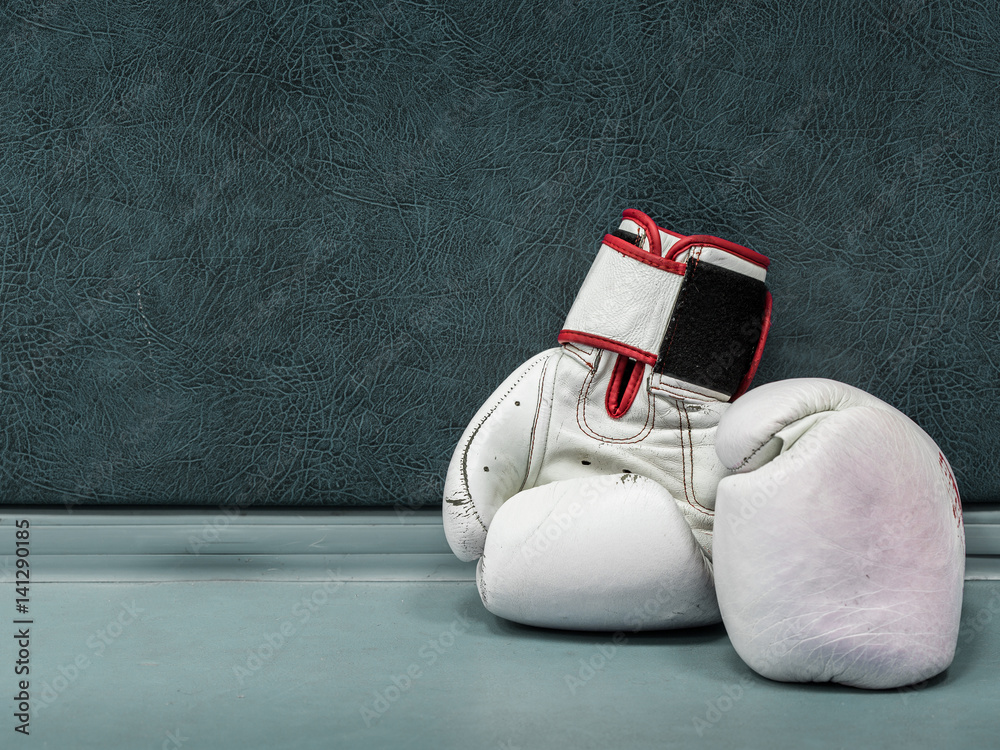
{"type": "Point", "coordinates": [279, 252]}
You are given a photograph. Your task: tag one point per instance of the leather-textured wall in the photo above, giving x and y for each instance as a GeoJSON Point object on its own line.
{"type": "Point", "coordinates": [279, 252]}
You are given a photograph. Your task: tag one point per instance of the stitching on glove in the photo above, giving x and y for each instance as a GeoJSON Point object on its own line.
{"type": "Point", "coordinates": [581, 406]}
{"type": "Point", "coordinates": [469, 500]}
{"type": "Point", "coordinates": [534, 426]}
{"type": "Point", "coordinates": [675, 391]}
{"type": "Point", "coordinates": [693, 498]}
{"type": "Point", "coordinates": [754, 452]}
{"type": "Point", "coordinates": [577, 352]}
{"type": "Point", "coordinates": [682, 431]}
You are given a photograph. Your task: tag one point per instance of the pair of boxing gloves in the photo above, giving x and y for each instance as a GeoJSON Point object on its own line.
{"type": "Point", "coordinates": [625, 481]}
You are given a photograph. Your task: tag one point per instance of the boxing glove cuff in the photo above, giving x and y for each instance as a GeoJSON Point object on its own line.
{"type": "Point", "coordinates": [707, 314]}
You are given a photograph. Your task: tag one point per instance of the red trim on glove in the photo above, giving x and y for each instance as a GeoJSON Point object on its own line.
{"type": "Point", "coordinates": [653, 236]}
{"type": "Point", "coordinates": [610, 345]}
{"type": "Point", "coordinates": [652, 231]}
{"type": "Point", "coordinates": [617, 401]}
{"type": "Point", "coordinates": [627, 248]}
{"type": "Point", "coordinates": [758, 352]}
{"type": "Point", "coordinates": [707, 240]}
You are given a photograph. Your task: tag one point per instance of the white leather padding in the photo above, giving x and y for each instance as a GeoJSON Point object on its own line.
{"type": "Point", "coordinates": [606, 305]}
{"type": "Point", "coordinates": [609, 552]}
{"type": "Point", "coordinates": [497, 453]}
{"type": "Point", "coordinates": [748, 431]}
{"type": "Point", "coordinates": [841, 557]}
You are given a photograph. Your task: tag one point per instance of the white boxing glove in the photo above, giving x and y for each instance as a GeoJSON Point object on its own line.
{"type": "Point", "coordinates": [839, 546]}
{"type": "Point", "coordinates": [585, 485]}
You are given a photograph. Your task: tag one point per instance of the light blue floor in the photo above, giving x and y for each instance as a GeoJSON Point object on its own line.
{"type": "Point", "coordinates": [422, 665]}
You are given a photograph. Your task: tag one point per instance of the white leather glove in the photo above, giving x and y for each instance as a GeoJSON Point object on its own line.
{"type": "Point", "coordinates": [585, 485]}
{"type": "Point", "coordinates": [839, 546]}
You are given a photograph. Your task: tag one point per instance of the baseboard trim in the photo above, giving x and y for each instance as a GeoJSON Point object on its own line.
{"type": "Point", "coordinates": [981, 568]}
{"type": "Point", "coordinates": [163, 544]}
{"type": "Point", "coordinates": [370, 544]}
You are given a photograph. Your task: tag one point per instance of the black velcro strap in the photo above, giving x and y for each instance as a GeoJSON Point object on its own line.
{"type": "Point", "coordinates": [715, 328]}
